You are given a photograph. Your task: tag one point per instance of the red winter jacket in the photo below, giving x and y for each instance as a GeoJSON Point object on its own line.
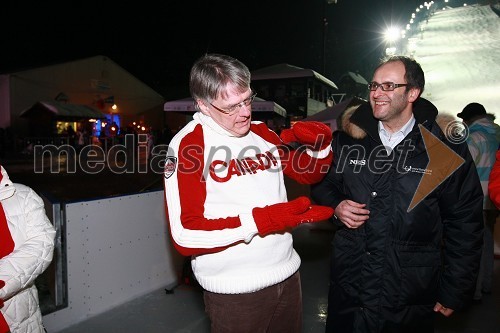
{"type": "Point", "coordinates": [494, 183]}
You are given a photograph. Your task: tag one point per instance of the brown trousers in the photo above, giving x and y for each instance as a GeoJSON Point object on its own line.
{"type": "Point", "coordinates": [275, 309]}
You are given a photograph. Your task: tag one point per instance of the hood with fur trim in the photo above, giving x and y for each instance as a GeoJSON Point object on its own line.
{"type": "Point", "coordinates": [359, 121]}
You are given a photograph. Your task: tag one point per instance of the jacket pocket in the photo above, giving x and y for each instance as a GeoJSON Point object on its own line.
{"type": "Point", "coordinates": [419, 277]}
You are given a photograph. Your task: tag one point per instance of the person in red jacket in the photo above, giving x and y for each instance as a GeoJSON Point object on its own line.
{"type": "Point", "coordinates": [227, 203]}
{"type": "Point", "coordinates": [494, 183]}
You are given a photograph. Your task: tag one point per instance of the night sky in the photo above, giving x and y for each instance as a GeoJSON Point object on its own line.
{"type": "Point", "coordinates": [159, 43]}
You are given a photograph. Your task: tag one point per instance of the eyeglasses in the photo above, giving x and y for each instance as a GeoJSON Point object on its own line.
{"type": "Point", "coordinates": [230, 110]}
{"type": "Point", "coordinates": [386, 86]}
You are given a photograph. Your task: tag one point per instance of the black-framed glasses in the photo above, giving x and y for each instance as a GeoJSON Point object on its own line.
{"type": "Point", "coordinates": [386, 86]}
{"type": "Point", "coordinates": [230, 110]}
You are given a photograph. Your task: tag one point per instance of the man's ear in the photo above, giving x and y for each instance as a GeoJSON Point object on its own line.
{"type": "Point", "coordinates": [200, 105]}
{"type": "Point", "coordinates": [413, 94]}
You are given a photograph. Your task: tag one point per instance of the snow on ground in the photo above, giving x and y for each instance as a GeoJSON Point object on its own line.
{"type": "Point", "coordinates": [459, 51]}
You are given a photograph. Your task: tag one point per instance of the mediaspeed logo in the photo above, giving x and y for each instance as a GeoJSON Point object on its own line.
{"type": "Point", "coordinates": [170, 166]}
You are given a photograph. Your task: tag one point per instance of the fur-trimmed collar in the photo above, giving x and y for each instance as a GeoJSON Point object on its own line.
{"type": "Point", "coordinates": [357, 122]}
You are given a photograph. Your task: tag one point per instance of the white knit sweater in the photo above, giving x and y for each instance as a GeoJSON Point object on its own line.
{"type": "Point", "coordinates": [213, 180]}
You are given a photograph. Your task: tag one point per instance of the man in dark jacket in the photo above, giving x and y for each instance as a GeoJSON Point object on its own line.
{"type": "Point", "coordinates": [408, 205]}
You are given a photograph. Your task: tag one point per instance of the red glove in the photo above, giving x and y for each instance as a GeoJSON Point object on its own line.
{"type": "Point", "coordinates": [313, 133]}
{"type": "Point", "coordinates": [285, 215]}
{"type": "Point", "coordinates": [310, 163]}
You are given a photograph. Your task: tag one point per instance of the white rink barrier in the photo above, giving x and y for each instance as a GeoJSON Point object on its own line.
{"type": "Point", "coordinates": [116, 249]}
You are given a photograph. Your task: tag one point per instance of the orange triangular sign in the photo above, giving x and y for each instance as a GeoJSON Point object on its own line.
{"type": "Point", "coordinates": [442, 163]}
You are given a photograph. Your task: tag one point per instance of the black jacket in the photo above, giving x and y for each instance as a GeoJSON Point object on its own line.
{"type": "Point", "coordinates": [388, 274]}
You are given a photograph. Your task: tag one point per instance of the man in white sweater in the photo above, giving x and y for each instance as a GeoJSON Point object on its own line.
{"type": "Point", "coordinates": [227, 203]}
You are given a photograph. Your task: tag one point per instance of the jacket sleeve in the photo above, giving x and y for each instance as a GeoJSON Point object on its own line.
{"type": "Point", "coordinates": [328, 192]}
{"type": "Point", "coordinates": [185, 193]}
{"type": "Point", "coordinates": [461, 206]}
{"type": "Point", "coordinates": [33, 235]}
{"type": "Point", "coordinates": [494, 182]}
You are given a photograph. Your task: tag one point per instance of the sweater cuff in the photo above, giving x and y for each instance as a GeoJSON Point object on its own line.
{"type": "Point", "coordinates": [249, 226]}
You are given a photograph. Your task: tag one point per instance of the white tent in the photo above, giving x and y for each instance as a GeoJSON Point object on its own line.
{"type": "Point", "coordinates": [258, 105]}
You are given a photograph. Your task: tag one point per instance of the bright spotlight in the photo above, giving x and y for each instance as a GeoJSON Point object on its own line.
{"type": "Point", "coordinates": [392, 34]}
